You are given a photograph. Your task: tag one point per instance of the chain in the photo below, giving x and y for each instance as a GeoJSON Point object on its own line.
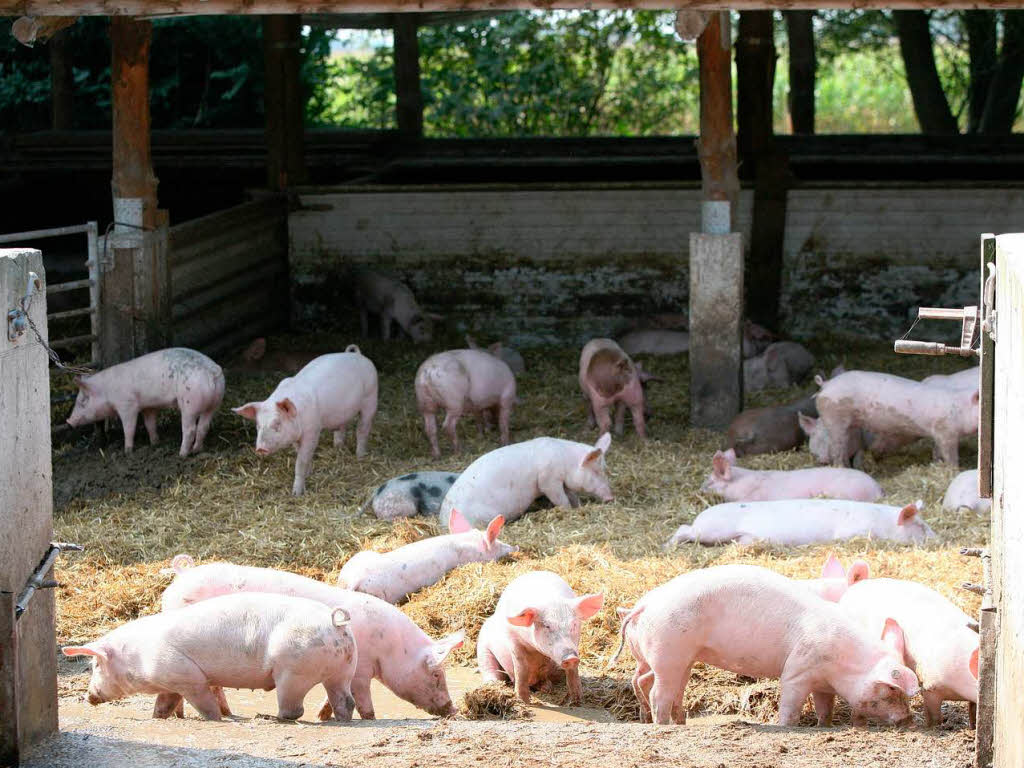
{"type": "Point", "coordinates": [54, 357]}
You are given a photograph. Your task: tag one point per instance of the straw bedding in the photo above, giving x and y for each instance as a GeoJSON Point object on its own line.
{"type": "Point", "coordinates": [134, 513]}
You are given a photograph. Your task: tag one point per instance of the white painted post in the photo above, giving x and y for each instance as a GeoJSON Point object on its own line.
{"type": "Point", "coordinates": [26, 503]}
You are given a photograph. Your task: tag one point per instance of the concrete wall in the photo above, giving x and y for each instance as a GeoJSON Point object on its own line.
{"type": "Point", "coordinates": [567, 263]}
{"type": "Point", "coordinates": [26, 494]}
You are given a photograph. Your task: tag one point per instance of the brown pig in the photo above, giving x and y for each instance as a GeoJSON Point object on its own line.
{"type": "Point", "coordinates": [609, 377]}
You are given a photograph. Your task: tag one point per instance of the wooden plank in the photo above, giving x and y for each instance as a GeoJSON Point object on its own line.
{"type": "Point", "coordinates": [9, 709]}
{"type": "Point", "coordinates": [986, 424]}
{"type": "Point", "coordinates": [988, 630]}
{"type": "Point", "coordinates": [193, 231]}
{"type": "Point", "coordinates": [221, 264]}
{"type": "Point", "coordinates": [253, 279]}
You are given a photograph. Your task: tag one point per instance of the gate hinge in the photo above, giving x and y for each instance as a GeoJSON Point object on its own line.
{"type": "Point", "coordinates": [968, 316]}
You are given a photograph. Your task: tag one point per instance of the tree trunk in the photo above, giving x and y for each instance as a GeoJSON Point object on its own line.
{"type": "Point", "coordinates": [930, 105]}
{"type": "Point", "coordinates": [802, 66]}
{"type": "Point", "coordinates": [62, 82]}
{"type": "Point", "coordinates": [981, 43]}
{"type": "Point", "coordinates": [1004, 92]}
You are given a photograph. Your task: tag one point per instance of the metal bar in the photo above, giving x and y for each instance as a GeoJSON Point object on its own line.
{"type": "Point", "coordinates": [71, 341]}
{"type": "Point", "coordinates": [9, 725]}
{"type": "Point", "coordinates": [72, 286]}
{"type": "Point", "coordinates": [939, 313]}
{"type": "Point", "coordinates": [38, 578]}
{"type": "Point", "coordinates": [71, 313]}
{"type": "Point", "coordinates": [93, 264]}
{"type": "Point", "coordinates": [35, 234]}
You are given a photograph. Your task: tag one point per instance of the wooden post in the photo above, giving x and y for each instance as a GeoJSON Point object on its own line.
{"type": "Point", "coordinates": [10, 750]}
{"type": "Point", "coordinates": [716, 254]}
{"type": "Point", "coordinates": [802, 68]}
{"type": "Point", "coordinates": [62, 82]}
{"type": "Point", "coordinates": [283, 102]}
{"type": "Point", "coordinates": [408, 95]}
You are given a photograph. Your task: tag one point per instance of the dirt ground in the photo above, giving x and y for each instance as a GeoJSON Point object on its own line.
{"type": "Point", "coordinates": [134, 513]}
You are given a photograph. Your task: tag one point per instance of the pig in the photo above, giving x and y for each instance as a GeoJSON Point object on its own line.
{"type": "Point", "coordinates": [608, 377]}
{"type": "Point", "coordinates": [835, 579]}
{"type": "Point", "coordinates": [397, 574]}
{"type": "Point", "coordinates": [766, 430]}
{"type": "Point", "coordinates": [391, 300]}
{"type": "Point", "coordinates": [512, 358]}
{"type": "Point", "coordinates": [417, 493]}
{"type": "Point", "coordinates": [464, 381]}
{"type": "Point", "coordinates": [858, 441]}
{"type": "Point", "coordinates": [811, 645]}
{"type": "Point", "coordinates": [963, 492]}
{"type": "Point", "coordinates": [804, 521]}
{"type": "Point", "coordinates": [756, 339]}
{"type": "Point", "coordinates": [233, 641]}
{"type": "Point", "coordinates": [169, 378]}
{"type": "Point", "coordinates": [326, 394]}
{"type": "Point", "coordinates": [655, 342]}
{"type": "Point", "coordinates": [887, 405]}
{"type": "Point", "coordinates": [392, 649]}
{"type": "Point", "coordinates": [507, 480]}
{"type": "Point", "coordinates": [968, 378]}
{"type": "Point", "coordinates": [533, 637]}
{"type": "Point", "coordinates": [735, 483]}
{"type": "Point", "coordinates": [254, 358]}
{"type": "Point", "coordinates": [782, 364]}
{"type": "Point", "coordinates": [940, 645]}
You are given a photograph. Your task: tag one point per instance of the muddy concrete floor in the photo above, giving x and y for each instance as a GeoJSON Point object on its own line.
{"type": "Point", "coordinates": [133, 513]}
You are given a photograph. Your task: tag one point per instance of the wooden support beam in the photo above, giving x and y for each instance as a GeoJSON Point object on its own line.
{"type": "Point", "coordinates": [10, 741]}
{"type": "Point", "coordinates": [802, 70]}
{"type": "Point", "coordinates": [284, 105]}
{"type": "Point", "coordinates": [407, 77]}
{"type": "Point", "coordinates": [716, 146]}
{"type": "Point", "coordinates": [163, 8]}
{"type": "Point", "coordinates": [62, 82]}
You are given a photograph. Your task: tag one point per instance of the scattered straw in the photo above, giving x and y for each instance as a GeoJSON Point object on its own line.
{"type": "Point", "coordinates": [493, 701]}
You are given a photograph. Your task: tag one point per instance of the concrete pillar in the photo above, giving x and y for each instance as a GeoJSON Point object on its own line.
{"type": "Point", "coordinates": [26, 516]}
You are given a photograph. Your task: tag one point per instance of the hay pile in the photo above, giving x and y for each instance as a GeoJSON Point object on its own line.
{"type": "Point", "coordinates": [134, 513]}
{"type": "Point", "coordinates": [493, 701]}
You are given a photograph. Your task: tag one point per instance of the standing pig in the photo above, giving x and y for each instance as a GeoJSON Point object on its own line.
{"type": "Point", "coordinates": [507, 480]}
{"type": "Point", "coordinates": [890, 405]}
{"type": "Point", "coordinates": [766, 430]}
{"type": "Point", "coordinates": [963, 492]}
{"type": "Point", "coordinates": [835, 579]}
{"type": "Point", "coordinates": [809, 644]}
{"type": "Point", "coordinates": [782, 364]}
{"type": "Point", "coordinates": [940, 645]}
{"type": "Point", "coordinates": [326, 394]}
{"type": "Point", "coordinates": [395, 575]}
{"type": "Point", "coordinates": [738, 484]}
{"type": "Point", "coordinates": [533, 637]}
{"type": "Point", "coordinates": [417, 493]}
{"type": "Point", "coordinates": [512, 358]}
{"type": "Point", "coordinates": [655, 342]}
{"type": "Point", "coordinates": [608, 377]}
{"type": "Point", "coordinates": [463, 381]}
{"type": "Point", "coordinates": [804, 521]}
{"type": "Point", "coordinates": [391, 300]}
{"type": "Point", "coordinates": [233, 641]}
{"type": "Point", "coordinates": [170, 378]}
{"type": "Point", "coordinates": [392, 649]}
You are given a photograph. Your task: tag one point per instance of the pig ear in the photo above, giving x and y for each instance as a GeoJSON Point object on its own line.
{"type": "Point", "coordinates": [494, 528]}
{"type": "Point", "coordinates": [256, 350]}
{"type": "Point", "coordinates": [833, 568]}
{"type": "Point", "coordinates": [909, 512]}
{"type": "Point", "coordinates": [604, 442]}
{"type": "Point", "coordinates": [248, 411]}
{"type": "Point", "coordinates": [471, 342]}
{"type": "Point", "coordinates": [440, 649]}
{"type": "Point", "coordinates": [82, 382]}
{"type": "Point", "coordinates": [721, 466]}
{"type": "Point", "coordinates": [622, 611]}
{"type": "Point", "coordinates": [730, 455]}
{"type": "Point", "coordinates": [899, 677]}
{"type": "Point", "coordinates": [819, 380]}
{"type": "Point", "coordinates": [859, 571]}
{"type": "Point", "coordinates": [972, 663]}
{"type": "Point", "coordinates": [807, 423]}
{"type": "Point", "coordinates": [837, 371]}
{"type": "Point", "coordinates": [457, 523]}
{"type": "Point", "coordinates": [591, 457]}
{"type": "Point", "coordinates": [975, 397]}
{"type": "Point", "coordinates": [84, 650]}
{"type": "Point", "coordinates": [523, 619]}
{"type": "Point", "coordinates": [495, 348]}
{"type": "Point", "coordinates": [892, 635]}
{"type": "Point", "coordinates": [588, 605]}
{"type": "Point", "coordinates": [287, 407]}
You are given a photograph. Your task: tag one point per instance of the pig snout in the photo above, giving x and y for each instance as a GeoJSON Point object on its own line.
{"type": "Point", "coordinates": [445, 710]}
{"type": "Point", "coordinates": [94, 698]}
{"type": "Point", "coordinates": [570, 661]}
{"type": "Point", "coordinates": [262, 451]}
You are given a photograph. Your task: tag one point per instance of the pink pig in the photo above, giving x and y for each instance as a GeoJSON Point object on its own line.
{"type": "Point", "coordinates": [170, 378]}
{"type": "Point", "coordinates": [969, 378]}
{"type": "Point", "coordinates": [392, 301]}
{"type": "Point", "coordinates": [396, 574]}
{"type": "Point", "coordinates": [835, 579]}
{"type": "Point", "coordinates": [534, 635]}
{"type": "Point", "coordinates": [233, 641]}
{"type": "Point", "coordinates": [392, 648]}
{"type": "Point", "coordinates": [811, 645]}
{"type": "Point", "coordinates": [464, 381]}
{"type": "Point", "coordinates": [327, 394]}
{"type": "Point", "coordinates": [738, 484]}
{"type": "Point", "coordinates": [608, 377]}
{"type": "Point", "coordinates": [940, 645]}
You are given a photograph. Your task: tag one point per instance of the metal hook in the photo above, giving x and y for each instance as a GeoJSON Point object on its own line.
{"type": "Point", "coordinates": [17, 318]}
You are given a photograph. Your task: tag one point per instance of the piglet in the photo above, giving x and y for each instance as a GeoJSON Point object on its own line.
{"type": "Point", "coordinates": [940, 645]}
{"type": "Point", "coordinates": [969, 378]}
{"type": "Point", "coordinates": [392, 301]}
{"type": "Point", "coordinates": [511, 356]}
{"type": "Point", "coordinates": [416, 493]}
{"type": "Point", "coordinates": [735, 483]}
{"type": "Point", "coordinates": [392, 649]}
{"type": "Point", "coordinates": [809, 644]}
{"type": "Point", "coordinates": [464, 381]}
{"type": "Point", "coordinates": [533, 637]}
{"type": "Point", "coordinates": [232, 641]}
{"type": "Point", "coordinates": [782, 364]}
{"type": "Point", "coordinates": [326, 394]}
{"type": "Point", "coordinates": [170, 378]}
{"type": "Point", "coordinates": [756, 339]}
{"type": "Point", "coordinates": [963, 492]}
{"type": "Point", "coordinates": [507, 480]}
{"type": "Point", "coordinates": [835, 579]}
{"type": "Point", "coordinates": [397, 574]}
{"type": "Point", "coordinates": [255, 358]}
{"type": "Point", "coordinates": [804, 521]}
{"type": "Point", "coordinates": [608, 377]}
{"type": "Point", "coordinates": [655, 342]}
